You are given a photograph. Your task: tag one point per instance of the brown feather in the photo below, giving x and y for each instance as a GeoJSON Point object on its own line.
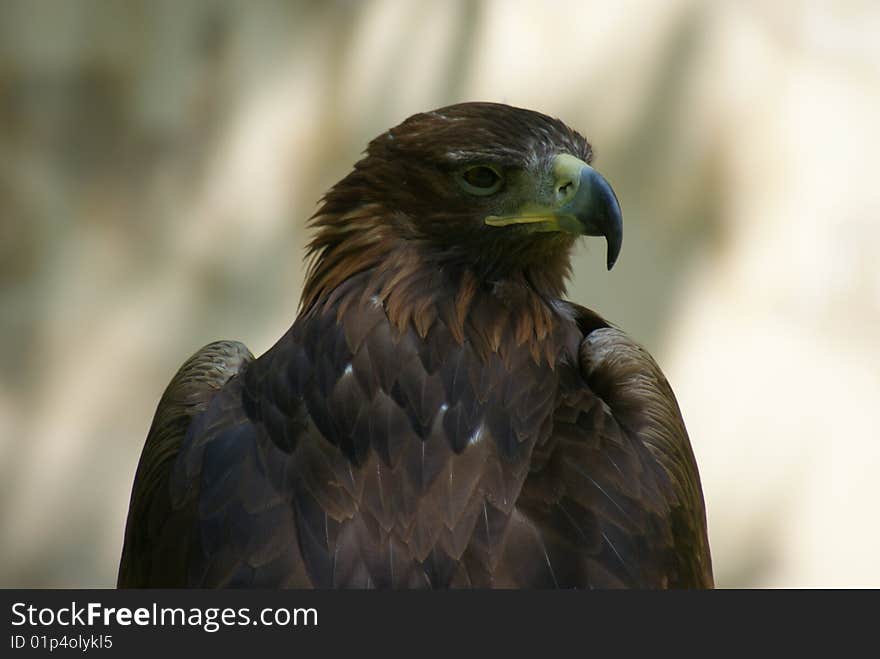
{"type": "Point", "coordinates": [435, 417]}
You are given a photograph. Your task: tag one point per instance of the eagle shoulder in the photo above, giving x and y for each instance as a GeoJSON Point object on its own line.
{"type": "Point", "coordinates": [613, 496]}
{"type": "Point", "coordinates": [187, 395]}
{"type": "Point", "coordinates": [630, 383]}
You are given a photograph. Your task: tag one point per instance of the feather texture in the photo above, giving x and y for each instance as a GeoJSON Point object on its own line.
{"type": "Point", "coordinates": [436, 416]}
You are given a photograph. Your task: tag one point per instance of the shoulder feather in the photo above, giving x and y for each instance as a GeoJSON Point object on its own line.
{"type": "Point", "coordinates": [625, 376]}
{"type": "Point", "coordinates": [188, 394]}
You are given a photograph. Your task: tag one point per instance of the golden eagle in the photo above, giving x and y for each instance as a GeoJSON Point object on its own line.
{"type": "Point", "coordinates": [438, 416]}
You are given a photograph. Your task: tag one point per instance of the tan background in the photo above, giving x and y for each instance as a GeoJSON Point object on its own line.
{"type": "Point", "coordinates": [158, 160]}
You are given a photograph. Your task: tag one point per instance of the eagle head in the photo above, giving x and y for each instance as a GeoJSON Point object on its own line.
{"type": "Point", "coordinates": [484, 186]}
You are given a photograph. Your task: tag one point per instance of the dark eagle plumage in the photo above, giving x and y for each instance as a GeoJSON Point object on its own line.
{"type": "Point", "coordinates": [437, 416]}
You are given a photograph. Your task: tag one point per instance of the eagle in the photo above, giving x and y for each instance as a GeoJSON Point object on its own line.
{"type": "Point", "coordinates": [438, 415]}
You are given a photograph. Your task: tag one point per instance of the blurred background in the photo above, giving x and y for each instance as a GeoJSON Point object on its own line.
{"type": "Point", "coordinates": [158, 160]}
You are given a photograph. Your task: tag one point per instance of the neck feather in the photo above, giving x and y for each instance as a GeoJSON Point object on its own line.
{"type": "Point", "coordinates": [357, 260]}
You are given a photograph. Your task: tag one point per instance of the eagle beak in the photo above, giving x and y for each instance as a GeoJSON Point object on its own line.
{"type": "Point", "coordinates": [592, 203]}
{"type": "Point", "coordinates": [583, 204]}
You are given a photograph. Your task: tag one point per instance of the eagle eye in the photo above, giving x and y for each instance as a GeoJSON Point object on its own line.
{"type": "Point", "coordinates": [481, 180]}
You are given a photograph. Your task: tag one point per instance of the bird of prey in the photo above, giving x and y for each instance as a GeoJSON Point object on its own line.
{"type": "Point", "coordinates": [437, 416]}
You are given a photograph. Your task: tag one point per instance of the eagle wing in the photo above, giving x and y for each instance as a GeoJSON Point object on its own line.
{"type": "Point", "coordinates": [614, 497]}
{"type": "Point", "coordinates": [148, 552]}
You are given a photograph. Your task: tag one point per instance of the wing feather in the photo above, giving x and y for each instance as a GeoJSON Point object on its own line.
{"type": "Point", "coordinates": [630, 382]}
{"type": "Point", "coordinates": [187, 395]}
{"type": "Point", "coordinates": [617, 479]}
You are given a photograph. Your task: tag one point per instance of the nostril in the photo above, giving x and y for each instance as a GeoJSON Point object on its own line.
{"type": "Point", "coordinates": [564, 188]}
